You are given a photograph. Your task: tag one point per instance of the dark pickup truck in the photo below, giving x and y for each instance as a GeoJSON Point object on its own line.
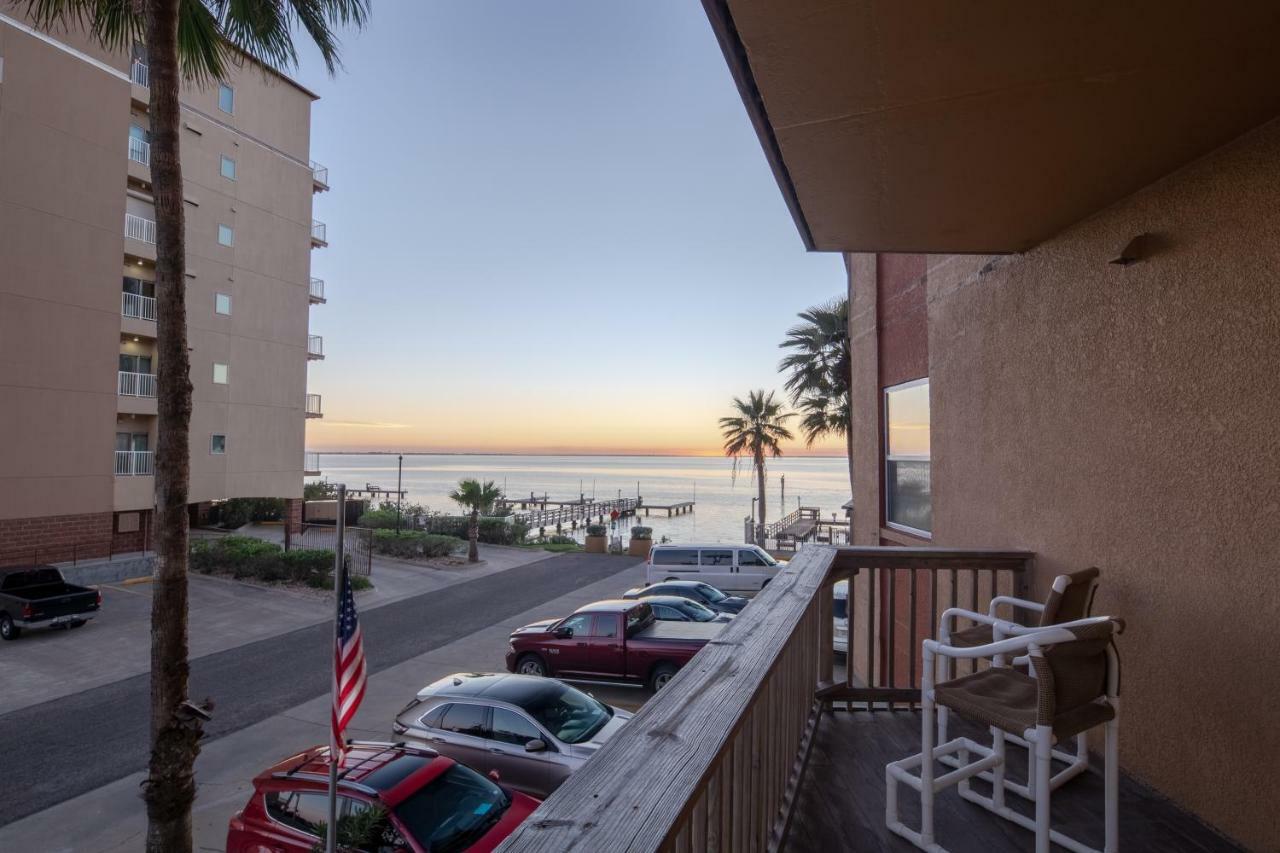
{"type": "Point", "coordinates": [38, 597]}
{"type": "Point", "coordinates": [614, 640]}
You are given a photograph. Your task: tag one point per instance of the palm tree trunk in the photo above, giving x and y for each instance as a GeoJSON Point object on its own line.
{"type": "Point", "coordinates": [170, 786]}
{"type": "Point", "coordinates": [473, 534]}
{"type": "Point", "coordinates": [759, 460]}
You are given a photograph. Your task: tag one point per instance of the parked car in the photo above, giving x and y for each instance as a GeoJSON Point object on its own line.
{"type": "Point", "coordinates": [738, 567]}
{"type": "Point", "coordinates": [533, 731]}
{"type": "Point", "coordinates": [39, 597]}
{"type": "Point", "coordinates": [392, 798]}
{"type": "Point", "coordinates": [703, 593]}
{"type": "Point", "coordinates": [674, 608]}
{"type": "Point", "coordinates": [617, 641]}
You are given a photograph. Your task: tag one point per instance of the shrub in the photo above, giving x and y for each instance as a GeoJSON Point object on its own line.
{"type": "Point", "coordinates": [414, 543]}
{"type": "Point", "coordinates": [238, 512]}
{"type": "Point", "coordinates": [247, 557]}
{"type": "Point", "coordinates": [641, 532]}
{"type": "Point", "coordinates": [597, 530]}
{"type": "Point", "coordinates": [324, 490]}
{"type": "Point", "coordinates": [560, 539]}
{"type": "Point", "coordinates": [493, 531]}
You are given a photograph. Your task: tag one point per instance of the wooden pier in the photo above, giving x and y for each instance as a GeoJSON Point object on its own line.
{"type": "Point", "coordinates": [679, 508]}
{"type": "Point", "coordinates": [572, 512]}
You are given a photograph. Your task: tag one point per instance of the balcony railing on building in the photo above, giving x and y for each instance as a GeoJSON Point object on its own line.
{"type": "Point", "coordinates": [139, 151]}
{"type": "Point", "coordinates": [316, 293]}
{"type": "Point", "coordinates": [138, 306]}
{"type": "Point", "coordinates": [137, 384]}
{"type": "Point", "coordinates": [319, 176]}
{"type": "Point", "coordinates": [313, 406]}
{"type": "Point", "coordinates": [134, 463]}
{"type": "Point", "coordinates": [315, 347]}
{"type": "Point", "coordinates": [137, 228]}
{"type": "Point", "coordinates": [140, 73]}
{"type": "Point", "coordinates": [310, 464]}
{"type": "Point", "coordinates": [319, 234]}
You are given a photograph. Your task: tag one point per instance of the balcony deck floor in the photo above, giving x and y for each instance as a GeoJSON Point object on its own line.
{"type": "Point", "coordinates": [840, 804]}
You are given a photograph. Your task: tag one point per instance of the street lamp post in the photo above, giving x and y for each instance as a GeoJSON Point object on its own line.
{"type": "Point", "coordinates": [399, 489]}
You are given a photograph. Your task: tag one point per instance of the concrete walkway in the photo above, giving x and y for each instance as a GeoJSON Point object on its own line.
{"type": "Point", "coordinates": [113, 817]}
{"type": "Point", "coordinates": [224, 614]}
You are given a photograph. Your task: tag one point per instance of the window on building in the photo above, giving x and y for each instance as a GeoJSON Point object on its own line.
{"type": "Point", "coordinates": [135, 363]}
{"type": "Point", "coordinates": [139, 287]}
{"type": "Point", "coordinates": [908, 500]}
{"type": "Point", "coordinates": [226, 235]}
{"type": "Point", "coordinates": [228, 168]}
{"type": "Point", "coordinates": [226, 98]}
{"type": "Point", "coordinates": [219, 374]}
{"type": "Point", "coordinates": [222, 303]}
{"type": "Point", "coordinates": [217, 444]}
{"type": "Point", "coordinates": [139, 133]}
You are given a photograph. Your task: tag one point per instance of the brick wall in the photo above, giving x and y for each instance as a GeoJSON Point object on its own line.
{"type": "Point", "coordinates": [55, 538]}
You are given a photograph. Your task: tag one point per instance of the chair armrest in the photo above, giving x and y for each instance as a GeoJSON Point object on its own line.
{"type": "Point", "coordinates": [1022, 642]}
{"type": "Point", "coordinates": [952, 613]}
{"type": "Point", "coordinates": [1016, 603]}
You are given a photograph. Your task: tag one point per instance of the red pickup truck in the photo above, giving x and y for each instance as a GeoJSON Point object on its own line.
{"type": "Point", "coordinates": [612, 640]}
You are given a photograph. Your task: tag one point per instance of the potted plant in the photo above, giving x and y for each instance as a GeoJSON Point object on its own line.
{"type": "Point", "coordinates": [597, 538]}
{"type": "Point", "coordinates": [641, 541]}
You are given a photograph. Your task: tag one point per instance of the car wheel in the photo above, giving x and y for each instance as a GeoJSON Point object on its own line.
{"type": "Point", "coordinates": [531, 665]}
{"type": "Point", "coordinates": [8, 630]}
{"type": "Point", "coordinates": [660, 676]}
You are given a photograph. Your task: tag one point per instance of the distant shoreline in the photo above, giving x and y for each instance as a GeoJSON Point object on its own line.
{"type": "Point", "coordinates": [556, 455]}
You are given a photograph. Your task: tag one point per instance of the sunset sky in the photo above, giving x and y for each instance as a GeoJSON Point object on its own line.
{"type": "Point", "coordinates": [551, 229]}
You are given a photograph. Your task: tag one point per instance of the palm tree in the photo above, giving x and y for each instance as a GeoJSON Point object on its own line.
{"type": "Point", "coordinates": [755, 430]}
{"type": "Point", "coordinates": [195, 40]}
{"type": "Point", "coordinates": [820, 372]}
{"type": "Point", "coordinates": [479, 498]}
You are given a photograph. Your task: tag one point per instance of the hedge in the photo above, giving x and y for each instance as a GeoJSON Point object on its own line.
{"type": "Point", "coordinates": [247, 557]}
{"type": "Point", "coordinates": [414, 543]}
{"type": "Point", "coordinates": [494, 531]}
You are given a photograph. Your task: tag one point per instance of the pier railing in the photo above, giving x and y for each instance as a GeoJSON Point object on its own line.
{"type": "Point", "coordinates": [574, 512]}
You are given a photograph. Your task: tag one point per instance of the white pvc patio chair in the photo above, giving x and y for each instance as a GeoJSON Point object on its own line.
{"type": "Point", "coordinates": [1075, 688]}
{"type": "Point", "coordinates": [1070, 599]}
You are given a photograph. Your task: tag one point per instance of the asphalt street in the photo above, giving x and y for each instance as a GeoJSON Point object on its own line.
{"type": "Point", "coordinates": [62, 748]}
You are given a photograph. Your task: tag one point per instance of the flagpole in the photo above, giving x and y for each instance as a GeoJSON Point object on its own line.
{"type": "Point", "coordinates": [339, 583]}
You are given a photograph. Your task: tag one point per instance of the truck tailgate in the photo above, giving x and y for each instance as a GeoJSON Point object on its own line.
{"type": "Point", "coordinates": [64, 604]}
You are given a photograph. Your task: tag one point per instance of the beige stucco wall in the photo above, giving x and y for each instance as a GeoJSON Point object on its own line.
{"type": "Point", "coordinates": [1129, 418]}
{"type": "Point", "coordinates": [65, 181]}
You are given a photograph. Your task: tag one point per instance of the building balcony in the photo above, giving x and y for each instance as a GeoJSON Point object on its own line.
{"type": "Point", "coordinates": [310, 464]}
{"type": "Point", "coordinates": [315, 348]}
{"type": "Point", "coordinates": [134, 463]}
{"type": "Point", "coordinates": [138, 307]}
{"type": "Point", "coordinates": [139, 151]}
{"type": "Point", "coordinates": [316, 292]}
{"type": "Point", "coordinates": [137, 384]}
{"type": "Point", "coordinates": [319, 177]}
{"type": "Point", "coordinates": [319, 234]}
{"type": "Point", "coordinates": [140, 74]}
{"type": "Point", "coordinates": [313, 409]}
{"type": "Point", "coordinates": [140, 229]}
{"type": "Point", "coordinates": [767, 740]}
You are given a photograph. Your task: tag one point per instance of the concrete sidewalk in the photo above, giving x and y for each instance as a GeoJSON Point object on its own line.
{"type": "Point", "coordinates": [113, 817]}
{"type": "Point", "coordinates": [224, 614]}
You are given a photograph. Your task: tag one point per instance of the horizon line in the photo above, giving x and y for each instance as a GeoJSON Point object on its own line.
{"type": "Point", "coordinates": [564, 453]}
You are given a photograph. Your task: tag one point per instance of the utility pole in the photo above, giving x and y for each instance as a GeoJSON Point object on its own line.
{"type": "Point", "coordinates": [399, 489]}
{"type": "Point", "coordinates": [782, 504]}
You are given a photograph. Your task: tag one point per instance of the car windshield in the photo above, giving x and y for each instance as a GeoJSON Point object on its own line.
{"type": "Point", "coordinates": [569, 714]}
{"type": "Point", "coordinates": [454, 811]}
{"type": "Point", "coordinates": [710, 593]}
{"type": "Point", "coordinates": [696, 611]}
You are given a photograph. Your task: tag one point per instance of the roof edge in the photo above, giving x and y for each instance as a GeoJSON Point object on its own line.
{"type": "Point", "coordinates": [735, 55]}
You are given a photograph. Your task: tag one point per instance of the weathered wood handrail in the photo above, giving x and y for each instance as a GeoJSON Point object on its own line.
{"type": "Point", "coordinates": [713, 761]}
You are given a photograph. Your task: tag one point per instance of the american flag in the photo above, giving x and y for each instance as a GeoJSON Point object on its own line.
{"type": "Point", "coordinates": [348, 667]}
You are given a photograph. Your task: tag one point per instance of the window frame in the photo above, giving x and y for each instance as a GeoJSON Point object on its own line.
{"type": "Point", "coordinates": [230, 230]}
{"type": "Point", "coordinates": [223, 451]}
{"type": "Point", "coordinates": [223, 160]}
{"type": "Point", "coordinates": [226, 313]}
{"type": "Point", "coordinates": [888, 457]}
{"type": "Point", "coordinates": [231, 90]}
{"type": "Point", "coordinates": [226, 373]}
{"type": "Point", "coordinates": [494, 710]}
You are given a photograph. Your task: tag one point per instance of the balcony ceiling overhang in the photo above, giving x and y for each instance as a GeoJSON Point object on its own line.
{"type": "Point", "coordinates": [950, 126]}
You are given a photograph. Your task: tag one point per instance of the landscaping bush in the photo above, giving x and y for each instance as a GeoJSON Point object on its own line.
{"type": "Point", "coordinates": [238, 512]}
{"type": "Point", "coordinates": [414, 544]}
{"type": "Point", "coordinates": [641, 532]}
{"type": "Point", "coordinates": [561, 539]}
{"type": "Point", "coordinates": [246, 557]}
{"type": "Point", "coordinates": [597, 530]}
{"type": "Point", "coordinates": [384, 517]}
{"type": "Point", "coordinates": [493, 531]}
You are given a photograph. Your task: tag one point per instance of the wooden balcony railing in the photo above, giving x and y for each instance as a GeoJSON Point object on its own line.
{"type": "Point", "coordinates": [713, 761]}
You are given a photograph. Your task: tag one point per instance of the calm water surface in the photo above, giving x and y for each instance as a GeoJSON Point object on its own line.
{"type": "Point", "coordinates": [722, 500]}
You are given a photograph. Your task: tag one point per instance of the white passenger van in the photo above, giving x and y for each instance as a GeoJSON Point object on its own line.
{"type": "Point", "coordinates": [727, 567]}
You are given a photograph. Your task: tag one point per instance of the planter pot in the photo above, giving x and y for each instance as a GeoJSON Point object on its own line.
{"type": "Point", "coordinates": [639, 547]}
{"type": "Point", "coordinates": [597, 544]}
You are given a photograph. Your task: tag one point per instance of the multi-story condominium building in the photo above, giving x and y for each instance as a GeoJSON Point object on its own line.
{"type": "Point", "coordinates": [77, 292]}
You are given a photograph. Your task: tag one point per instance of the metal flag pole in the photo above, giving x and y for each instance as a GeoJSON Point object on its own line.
{"type": "Point", "coordinates": [399, 490]}
{"type": "Point", "coordinates": [339, 583]}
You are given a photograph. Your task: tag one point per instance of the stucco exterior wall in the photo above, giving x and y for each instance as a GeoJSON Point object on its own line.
{"type": "Point", "coordinates": [1128, 417]}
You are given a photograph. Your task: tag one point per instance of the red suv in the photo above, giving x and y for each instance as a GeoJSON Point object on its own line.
{"type": "Point", "coordinates": [391, 799]}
